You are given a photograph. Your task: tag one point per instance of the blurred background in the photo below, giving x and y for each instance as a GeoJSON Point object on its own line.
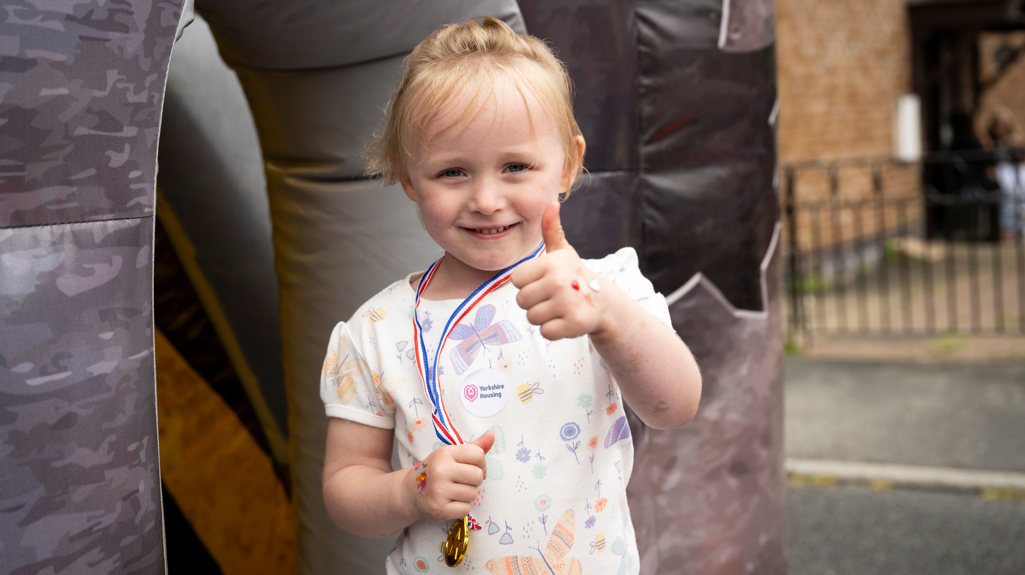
{"type": "Point", "coordinates": [901, 166]}
{"type": "Point", "coordinates": [901, 184]}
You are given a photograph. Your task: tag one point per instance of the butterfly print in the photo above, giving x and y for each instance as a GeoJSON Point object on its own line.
{"type": "Point", "coordinates": [479, 335]}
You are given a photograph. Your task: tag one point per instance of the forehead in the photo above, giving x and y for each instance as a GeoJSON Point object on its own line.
{"type": "Point", "coordinates": [483, 108]}
{"type": "Point", "coordinates": [473, 104]}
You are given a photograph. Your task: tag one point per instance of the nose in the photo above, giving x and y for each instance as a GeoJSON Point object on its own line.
{"type": "Point", "coordinates": [486, 197]}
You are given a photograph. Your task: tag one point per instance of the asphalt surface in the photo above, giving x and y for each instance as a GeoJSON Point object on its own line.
{"type": "Point", "coordinates": [905, 468]}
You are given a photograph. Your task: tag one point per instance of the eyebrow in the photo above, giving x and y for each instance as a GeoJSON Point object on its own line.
{"type": "Point", "coordinates": [516, 152]}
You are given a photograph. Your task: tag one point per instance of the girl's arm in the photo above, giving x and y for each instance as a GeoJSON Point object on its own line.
{"type": "Point", "coordinates": [364, 496]}
{"type": "Point", "coordinates": [654, 368]}
{"type": "Point", "coordinates": [361, 492]}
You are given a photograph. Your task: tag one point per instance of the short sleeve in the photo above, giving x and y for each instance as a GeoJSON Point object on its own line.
{"type": "Point", "coordinates": [349, 385]}
{"type": "Point", "coordinates": [622, 269]}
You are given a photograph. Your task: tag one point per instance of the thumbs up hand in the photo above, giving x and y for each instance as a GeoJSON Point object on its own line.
{"type": "Point", "coordinates": [445, 484]}
{"type": "Point", "coordinates": [557, 289]}
{"type": "Point", "coordinates": [551, 229]}
{"type": "Point", "coordinates": [485, 442]}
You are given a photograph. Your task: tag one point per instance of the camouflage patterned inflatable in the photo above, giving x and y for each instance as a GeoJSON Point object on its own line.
{"type": "Point", "coordinates": [81, 91]}
{"type": "Point", "coordinates": [676, 100]}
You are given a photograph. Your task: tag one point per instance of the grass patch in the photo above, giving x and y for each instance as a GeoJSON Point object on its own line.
{"type": "Point", "coordinates": [791, 347]}
{"type": "Point", "coordinates": [890, 251]}
{"type": "Point", "coordinates": [1003, 495]}
{"type": "Point", "coordinates": [945, 345]}
{"type": "Point", "coordinates": [882, 485]}
{"type": "Point", "coordinates": [812, 284]}
{"type": "Point", "coordinates": [800, 480]}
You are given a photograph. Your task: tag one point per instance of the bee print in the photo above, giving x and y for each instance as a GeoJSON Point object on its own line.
{"type": "Point", "coordinates": [527, 391]}
{"type": "Point", "coordinates": [374, 315]}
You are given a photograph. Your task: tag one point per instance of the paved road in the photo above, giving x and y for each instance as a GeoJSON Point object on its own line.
{"type": "Point", "coordinates": [923, 468]}
{"type": "Point", "coordinates": [849, 530]}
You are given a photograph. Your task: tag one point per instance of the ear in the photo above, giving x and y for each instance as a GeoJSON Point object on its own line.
{"type": "Point", "coordinates": [573, 166]}
{"type": "Point", "coordinates": [407, 186]}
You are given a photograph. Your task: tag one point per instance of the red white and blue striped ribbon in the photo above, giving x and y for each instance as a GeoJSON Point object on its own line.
{"type": "Point", "coordinates": [428, 369]}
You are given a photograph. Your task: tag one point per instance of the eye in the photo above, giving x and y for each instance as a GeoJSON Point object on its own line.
{"type": "Point", "coordinates": [450, 173]}
{"type": "Point", "coordinates": [514, 168]}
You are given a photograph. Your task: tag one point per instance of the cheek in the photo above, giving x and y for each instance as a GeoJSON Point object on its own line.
{"type": "Point", "coordinates": [534, 210]}
{"type": "Point", "coordinates": [551, 190]}
{"type": "Point", "coordinates": [542, 202]}
{"type": "Point", "coordinates": [433, 214]}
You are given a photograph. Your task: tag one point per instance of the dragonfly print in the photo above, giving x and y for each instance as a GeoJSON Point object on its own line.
{"type": "Point", "coordinates": [479, 335]}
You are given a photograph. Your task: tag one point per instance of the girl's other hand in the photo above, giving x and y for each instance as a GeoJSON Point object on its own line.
{"type": "Point", "coordinates": [454, 472]}
{"type": "Point", "coordinates": [557, 291]}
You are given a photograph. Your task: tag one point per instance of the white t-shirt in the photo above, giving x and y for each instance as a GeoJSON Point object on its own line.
{"type": "Point", "coordinates": [555, 494]}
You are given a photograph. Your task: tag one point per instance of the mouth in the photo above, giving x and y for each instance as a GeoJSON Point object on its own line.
{"type": "Point", "coordinates": [490, 231]}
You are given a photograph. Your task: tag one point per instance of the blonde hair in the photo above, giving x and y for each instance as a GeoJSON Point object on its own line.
{"type": "Point", "coordinates": [467, 58]}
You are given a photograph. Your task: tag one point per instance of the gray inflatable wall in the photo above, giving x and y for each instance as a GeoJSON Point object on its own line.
{"type": "Point", "coordinates": [676, 102]}
{"type": "Point", "coordinates": [81, 90]}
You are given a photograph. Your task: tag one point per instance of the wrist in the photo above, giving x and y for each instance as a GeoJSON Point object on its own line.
{"type": "Point", "coordinates": [608, 305]}
{"type": "Point", "coordinates": [411, 493]}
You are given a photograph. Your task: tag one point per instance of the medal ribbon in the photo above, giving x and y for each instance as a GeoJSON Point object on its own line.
{"type": "Point", "coordinates": [428, 369]}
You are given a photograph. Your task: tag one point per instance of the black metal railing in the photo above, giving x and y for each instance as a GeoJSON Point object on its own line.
{"type": "Point", "coordinates": [881, 247]}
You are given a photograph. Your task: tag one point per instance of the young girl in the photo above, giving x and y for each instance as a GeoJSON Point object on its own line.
{"type": "Point", "coordinates": [502, 370]}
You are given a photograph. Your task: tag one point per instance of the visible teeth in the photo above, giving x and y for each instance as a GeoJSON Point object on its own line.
{"type": "Point", "coordinates": [489, 231]}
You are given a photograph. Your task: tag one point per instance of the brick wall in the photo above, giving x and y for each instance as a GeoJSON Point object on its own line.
{"type": "Point", "coordinates": [841, 67]}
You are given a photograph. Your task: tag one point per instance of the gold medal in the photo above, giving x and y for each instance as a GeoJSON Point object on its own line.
{"type": "Point", "coordinates": [457, 542]}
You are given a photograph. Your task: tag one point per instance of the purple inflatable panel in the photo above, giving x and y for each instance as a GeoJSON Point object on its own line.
{"type": "Point", "coordinates": [676, 102]}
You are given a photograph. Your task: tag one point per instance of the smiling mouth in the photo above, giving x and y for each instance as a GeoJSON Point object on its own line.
{"type": "Point", "coordinates": [490, 231]}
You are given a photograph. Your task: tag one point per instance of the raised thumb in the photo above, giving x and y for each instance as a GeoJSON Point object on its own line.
{"type": "Point", "coordinates": [485, 441]}
{"type": "Point", "coordinates": [551, 229]}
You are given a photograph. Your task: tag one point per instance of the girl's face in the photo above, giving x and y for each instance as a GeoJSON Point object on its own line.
{"type": "Point", "coordinates": [482, 184]}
